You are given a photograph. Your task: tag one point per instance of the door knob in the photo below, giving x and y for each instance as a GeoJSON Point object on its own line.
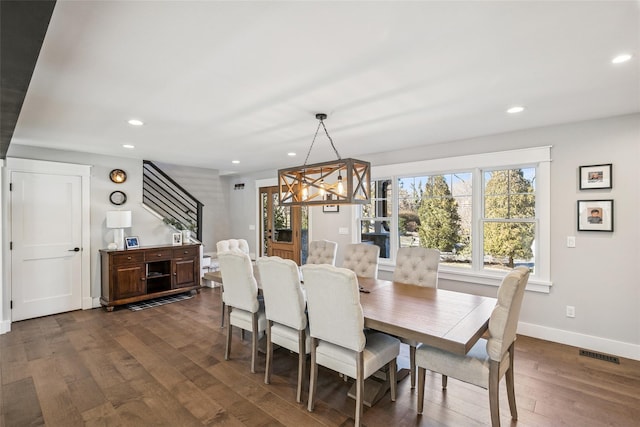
{"type": "Point", "coordinates": [74, 250]}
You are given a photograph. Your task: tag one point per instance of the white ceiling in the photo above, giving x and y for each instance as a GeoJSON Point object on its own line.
{"type": "Point", "coordinates": [219, 81]}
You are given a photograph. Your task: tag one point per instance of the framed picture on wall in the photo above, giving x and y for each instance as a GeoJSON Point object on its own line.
{"type": "Point", "coordinates": [596, 176]}
{"type": "Point", "coordinates": [595, 215]}
{"type": "Point", "coordinates": [330, 208]}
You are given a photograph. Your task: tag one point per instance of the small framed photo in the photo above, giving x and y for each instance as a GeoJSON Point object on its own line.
{"type": "Point", "coordinates": [330, 208]}
{"type": "Point", "coordinates": [131, 242]}
{"type": "Point", "coordinates": [595, 176]}
{"type": "Point", "coordinates": [595, 215]}
{"type": "Point", "coordinates": [177, 238]}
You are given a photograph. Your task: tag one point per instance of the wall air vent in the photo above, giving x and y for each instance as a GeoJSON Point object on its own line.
{"type": "Point", "coordinates": [599, 356]}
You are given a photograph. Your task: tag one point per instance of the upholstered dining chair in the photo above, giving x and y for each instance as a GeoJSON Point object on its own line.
{"type": "Point", "coordinates": [229, 245]}
{"type": "Point", "coordinates": [362, 258]}
{"type": "Point", "coordinates": [285, 306]}
{"type": "Point", "coordinates": [244, 310]}
{"type": "Point", "coordinates": [416, 266]}
{"type": "Point", "coordinates": [322, 252]}
{"type": "Point", "coordinates": [489, 359]}
{"type": "Point", "coordinates": [338, 342]}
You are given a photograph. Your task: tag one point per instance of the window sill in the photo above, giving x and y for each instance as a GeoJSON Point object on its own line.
{"type": "Point", "coordinates": [481, 278]}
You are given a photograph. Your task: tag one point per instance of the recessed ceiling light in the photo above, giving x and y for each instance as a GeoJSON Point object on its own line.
{"type": "Point", "coordinates": [291, 154]}
{"type": "Point", "coordinates": [235, 162]}
{"type": "Point", "coordinates": [515, 109]}
{"type": "Point", "coordinates": [621, 58]}
{"type": "Point", "coordinates": [129, 146]}
{"type": "Point", "coordinates": [135, 122]}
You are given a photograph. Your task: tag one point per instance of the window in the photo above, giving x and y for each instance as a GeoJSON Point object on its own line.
{"type": "Point", "coordinates": [435, 211]}
{"type": "Point", "coordinates": [509, 218]}
{"type": "Point", "coordinates": [485, 213]}
{"type": "Point", "coordinates": [376, 217]}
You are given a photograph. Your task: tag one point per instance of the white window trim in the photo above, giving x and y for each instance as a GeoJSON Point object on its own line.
{"type": "Point", "coordinates": [540, 157]}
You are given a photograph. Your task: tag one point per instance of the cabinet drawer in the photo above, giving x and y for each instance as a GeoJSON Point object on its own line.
{"type": "Point", "coordinates": [157, 254]}
{"type": "Point", "coordinates": [129, 258]}
{"type": "Point", "coordinates": [186, 252]}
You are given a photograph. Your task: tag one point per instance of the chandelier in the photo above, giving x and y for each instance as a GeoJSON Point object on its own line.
{"type": "Point", "coordinates": [342, 181]}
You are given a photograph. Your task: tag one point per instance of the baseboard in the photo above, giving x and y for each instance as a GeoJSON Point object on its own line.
{"type": "Point", "coordinates": [589, 342]}
{"type": "Point", "coordinates": [5, 326]}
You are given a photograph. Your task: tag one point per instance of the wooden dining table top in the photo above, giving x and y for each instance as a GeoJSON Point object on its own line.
{"type": "Point", "coordinates": [452, 321]}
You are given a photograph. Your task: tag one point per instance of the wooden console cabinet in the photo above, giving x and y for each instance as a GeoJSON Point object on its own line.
{"type": "Point", "coordinates": [138, 274]}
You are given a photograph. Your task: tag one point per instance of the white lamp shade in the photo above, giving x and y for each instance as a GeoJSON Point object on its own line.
{"type": "Point", "coordinates": [118, 219]}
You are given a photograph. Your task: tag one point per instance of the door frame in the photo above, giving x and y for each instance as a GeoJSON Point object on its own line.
{"type": "Point", "coordinates": [268, 182]}
{"type": "Point", "coordinates": [52, 168]}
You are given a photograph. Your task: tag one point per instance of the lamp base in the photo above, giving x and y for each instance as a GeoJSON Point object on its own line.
{"type": "Point", "coordinates": [118, 238]}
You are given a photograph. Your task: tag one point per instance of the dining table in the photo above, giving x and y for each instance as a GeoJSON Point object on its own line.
{"type": "Point", "coordinates": [449, 320]}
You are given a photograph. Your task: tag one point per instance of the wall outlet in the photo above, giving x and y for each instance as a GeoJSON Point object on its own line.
{"type": "Point", "coordinates": [571, 241]}
{"type": "Point", "coordinates": [571, 311]}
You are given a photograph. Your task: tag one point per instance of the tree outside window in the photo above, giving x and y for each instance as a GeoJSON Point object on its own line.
{"type": "Point", "coordinates": [509, 218]}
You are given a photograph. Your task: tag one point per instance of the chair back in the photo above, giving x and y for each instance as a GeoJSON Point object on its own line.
{"type": "Point", "coordinates": [333, 305]}
{"type": "Point", "coordinates": [233, 244]}
{"type": "Point", "coordinates": [322, 252]}
{"type": "Point", "coordinates": [417, 266]}
{"type": "Point", "coordinates": [504, 318]}
{"type": "Point", "coordinates": [284, 300]}
{"type": "Point", "coordinates": [362, 258]}
{"type": "Point", "coordinates": [240, 286]}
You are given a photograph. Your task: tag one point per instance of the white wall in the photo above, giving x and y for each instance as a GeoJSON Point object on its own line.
{"type": "Point", "coordinates": [597, 276]}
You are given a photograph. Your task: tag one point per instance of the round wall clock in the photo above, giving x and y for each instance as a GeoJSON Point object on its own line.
{"type": "Point", "coordinates": [118, 198]}
{"type": "Point", "coordinates": [118, 176]}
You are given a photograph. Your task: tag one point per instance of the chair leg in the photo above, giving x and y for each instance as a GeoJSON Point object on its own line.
{"type": "Point", "coordinates": [313, 377]}
{"type": "Point", "coordinates": [301, 363]}
{"type": "Point", "coordinates": [222, 316]}
{"type": "Point", "coordinates": [254, 341]}
{"type": "Point", "coordinates": [222, 306]}
{"type": "Point", "coordinates": [359, 387]}
{"type": "Point", "coordinates": [494, 403]}
{"type": "Point", "coordinates": [393, 382]}
{"type": "Point", "coordinates": [510, 385]}
{"type": "Point", "coordinates": [412, 362]}
{"type": "Point", "coordinates": [227, 350]}
{"type": "Point", "coordinates": [267, 368]}
{"type": "Point", "coordinates": [444, 382]}
{"type": "Point", "coordinates": [421, 378]}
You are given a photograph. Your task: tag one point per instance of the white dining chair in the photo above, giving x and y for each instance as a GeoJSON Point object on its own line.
{"type": "Point", "coordinates": [244, 309]}
{"type": "Point", "coordinates": [362, 258]}
{"type": "Point", "coordinates": [338, 342]}
{"type": "Point", "coordinates": [229, 245]}
{"type": "Point", "coordinates": [285, 306]}
{"type": "Point", "coordinates": [322, 252]}
{"type": "Point", "coordinates": [416, 266]}
{"type": "Point", "coordinates": [489, 359]}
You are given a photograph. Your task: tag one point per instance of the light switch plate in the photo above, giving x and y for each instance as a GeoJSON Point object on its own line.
{"type": "Point", "coordinates": [571, 241]}
{"type": "Point", "coordinates": [343, 230]}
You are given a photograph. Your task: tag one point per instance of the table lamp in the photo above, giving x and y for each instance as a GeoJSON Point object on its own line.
{"type": "Point", "coordinates": [118, 220]}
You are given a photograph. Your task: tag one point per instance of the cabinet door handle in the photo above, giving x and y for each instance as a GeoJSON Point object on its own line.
{"type": "Point", "coordinates": [175, 274]}
{"type": "Point", "coordinates": [143, 278]}
{"type": "Point", "coordinates": [159, 254]}
{"type": "Point", "coordinates": [128, 257]}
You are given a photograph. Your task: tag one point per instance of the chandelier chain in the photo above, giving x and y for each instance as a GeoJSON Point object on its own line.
{"type": "Point", "coordinates": [321, 123]}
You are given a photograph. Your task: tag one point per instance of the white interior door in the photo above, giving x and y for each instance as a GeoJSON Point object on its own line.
{"type": "Point", "coordinates": [46, 236]}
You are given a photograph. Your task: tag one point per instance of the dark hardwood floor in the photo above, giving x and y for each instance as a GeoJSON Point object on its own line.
{"type": "Point", "coordinates": [165, 367]}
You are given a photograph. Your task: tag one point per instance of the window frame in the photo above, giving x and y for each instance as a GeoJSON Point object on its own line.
{"type": "Point", "coordinates": [536, 157]}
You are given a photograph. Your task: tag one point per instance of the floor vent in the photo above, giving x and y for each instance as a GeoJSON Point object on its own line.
{"type": "Point", "coordinates": [599, 356]}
